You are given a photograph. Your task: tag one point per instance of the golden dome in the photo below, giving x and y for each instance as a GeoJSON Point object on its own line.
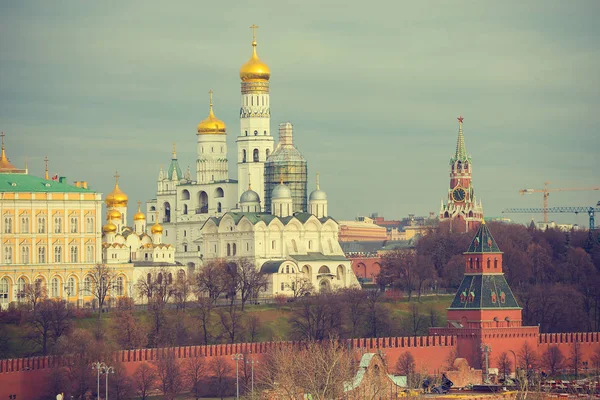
{"type": "Point", "coordinates": [139, 215]}
{"type": "Point", "coordinates": [156, 228]}
{"type": "Point", "coordinates": [116, 198]}
{"type": "Point", "coordinates": [109, 228]}
{"type": "Point", "coordinates": [113, 214]}
{"type": "Point", "coordinates": [255, 70]}
{"type": "Point", "coordinates": [212, 124]}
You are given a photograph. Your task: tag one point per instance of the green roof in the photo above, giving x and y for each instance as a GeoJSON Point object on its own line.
{"type": "Point", "coordinates": [483, 241]}
{"type": "Point", "coordinates": [23, 183]}
{"type": "Point", "coordinates": [271, 267]}
{"type": "Point", "coordinates": [174, 167]}
{"type": "Point", "coordinates": [317, 257]}
{"type": "Point", "coordinates": [484, 291]}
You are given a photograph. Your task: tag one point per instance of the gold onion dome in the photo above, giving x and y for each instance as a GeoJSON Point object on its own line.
{"type": "Point", "coordinates": [116, 198]}
{"type": "Point", "coordinates": [255, 70]}
{"type": "Point", "coordinates": [139, 215]}
{"type": "Point", "coordinates": [113, 214]}
{"type": "Point", "coordinates": [156, 228]}
{"type": "Point", "coordinates": [212, 124]}
{"type": "Point", "coordinates": [109, 228]}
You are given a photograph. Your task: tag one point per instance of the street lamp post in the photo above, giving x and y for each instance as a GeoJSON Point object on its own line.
{"type": "Point", "coordinates": [486, 349]}
{"type": "Point", "coordinates": [252, 361]}
{"type": "Point", "coordinates": [237, 358]}
{"type": "Point", "coordinates": [99, 366]}
{"type": "Point", "coordinates": [108, 370]}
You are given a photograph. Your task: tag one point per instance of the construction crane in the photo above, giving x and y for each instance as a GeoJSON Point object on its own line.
{"type": "Point", "coordinates": [576, 210]}
{"type": "Point", "coordinates": [546, 193]}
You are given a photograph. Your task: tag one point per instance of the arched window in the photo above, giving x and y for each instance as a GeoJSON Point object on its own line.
{"type": "Point", "coordinates": [89, 253]}
{"type": "Point", "coordinates": [495, 263]}
{"type": "Point", "coordinates": [57, 254]}
{"type": "Point", "coordinates": [54, 287]}
{"type": "Point", "coordinates": [8, 225]}
{"type": "Point", "coordinates": [149, 278]}
{"type": "Point", "coordinates": [219, 192]}
{"type": "Point", "coordinates": [8, 257]}
{"type": "Point", "coordinates": [170, 276]}
{"type": "Point", "coordinates": [310, 244]}
{"type": "Point", "coordinates": [25, 225]}
{"type": "Point", "coordinates": [489, 263]}
{"type": "Point", "coordinates": [265, 133]}
{"type": "Point", "coordinates": [167, 208]}
{"type": "Point", "coordinates": [58, 225]}
{"type": "Point", "coordinates": [246, 133]}
{"type": "Point", "coordinates": [466, 165]}
{"type": "Point", "coordinates": [470, 263]}
{"type": "Point", "coordinates": [119, 286]}
{"type": "Point", "coordinates": [87, 285]}
{"type": "Point", "coordinates": [89, 225]}
{"type": "Point", "coordinates": [255, 155]}
{"type": "Point", "coordinates": [185, 209]}
{"type": "Point", "coordinates": [219, 208]}
{"type": "Point", "coordinates": [42, 225]}
{"type": "Point", "coordinates": [74, 224]}
{"type": "Point", "coordinates": [21, 284]}
{"type": "Point", "coordinates": [234, 249]}
{"type": "Point", "coordinates": [228, 249]}
{"type": "Point", "coordinates": [255, 133]}
{"type": "Point", "coordinates": [324, 270]}
{"type": "Point", "coordinates": [287, 269]}
{"type": "Point", "coordinates": [267, 153]}
{"type": "Point", "coordinates": [273, 245]}
{"type": "Point", "coordinates": [25, 254]}
{"type": "Point", "coordinates": [459, 165]}
{"type": "Point", "coordinates": [181, 275]}
{"type": "Point", "coordinates": [41, 255]}
{"type": "Point", "coordinates": [282, 286]}
{"type": "Point", "coordinates": [203, 201]}
{"type": "Point", "coordinates": [159, 278]}
{"type": "Point", "coordinates": [244, 152]}
{"type": "Point", "coordinates": [185, 195]}
{"type": "Point", "coordinates": [4, 291]}
{"type": "Point", "coordinates": [70, 286]}
{"type": "Point", "coordinates": [294, 245]}
{"type": "Point", "coordinates": [476, 263]}
{"type": "Point", "coordinates": [74, 254]}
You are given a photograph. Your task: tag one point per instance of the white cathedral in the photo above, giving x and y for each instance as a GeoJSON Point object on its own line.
{"type": "Point", "coordinates": [211, 216]}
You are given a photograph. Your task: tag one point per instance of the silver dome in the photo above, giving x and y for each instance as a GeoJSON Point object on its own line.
{"type": "Point", "coordinates": [317, 194]}
{"type": "Point", "coordinates": [249, 196]}
{"type": "Point", "coordinates": [281, 191]}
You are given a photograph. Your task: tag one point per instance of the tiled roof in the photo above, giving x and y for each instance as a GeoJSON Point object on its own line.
{"type": "Point", "coordinates": [483, 242]}
{"type": "Point", "coordinates": [29, 183]}
{"type": "Point", "coordinates": [484, 291]}
{"type": "Point", "coordinates": [256, 217]}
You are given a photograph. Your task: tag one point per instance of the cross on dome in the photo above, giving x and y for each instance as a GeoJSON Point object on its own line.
{"type": "Point", "coordinates": [116, 176]}
{"type": "Point", "coordinates": [254, 27]}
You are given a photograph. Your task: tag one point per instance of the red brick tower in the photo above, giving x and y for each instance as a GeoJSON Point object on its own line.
{"type": "Point", "coordinates": [461, 207]}
{"type": "Point", "coordinates": [484, 309]}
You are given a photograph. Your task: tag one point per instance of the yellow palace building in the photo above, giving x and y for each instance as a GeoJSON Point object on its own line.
{"type": "Point", "coordinates": [50, 235]}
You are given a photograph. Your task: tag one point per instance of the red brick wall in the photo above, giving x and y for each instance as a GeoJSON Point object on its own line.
{"type": "Point", "coordinates": [366, 267]}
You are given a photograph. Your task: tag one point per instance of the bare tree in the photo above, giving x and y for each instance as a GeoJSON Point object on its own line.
{"type": "Point", "coordinates": [145, 379]}
{"type": "Point", "coordinates": [33, 293]}
{"type": "Point", "coordinates": [220, 371]}
{"type": "Point", "coordinates": [121, 385]}
{"type": "Point", "coordinates": [128, 330]}
{"type": "Point", "coordinates": [424, 272]}
{"type": "Point", "coordinates": [50, 320]}
{"type": "Point", "coordinates": [576, 358]}
{"type": "Point", "coordinates": [504, 364]}
{"type": "Point", "coordinates": [377, 316]}
{"type": "Point", "coordinates": [193, 372]}
{"type": "Point", "coordinates": [104, 279]}
{"type": "Point", "coordinates": [398, 268]}
{"type": "Point", "coordinates": [318, 368]}
{"type": "Point", "coordinates": [433, 316]}
{"type": "Point", "coordinates": [210, 280]}
{"type": "Point", "coordinates": [250, 280]}
{"type": "Point", "coordinates": [406, 364]}
{"type": "Point", "coordinates": [355, 309]}
{"type": "Point", "coordinates": [252, 327]}
{"type": "Point", "coordinates": [300, 286]}
{"type": "Point", "coordinates": [183, 289]}
{"type": "Point", "coordinates": [231, 322]}
{"type": "Point", "coordinates": [528, 358]}
{"type": "Point", "coordinates": [169, 374]}
{"type": "Point", "coordinates": [205, 307]}
{"type": "Point", "coordinates": [416, 319]}
{"type": "Point", "coordinates": [317, 317]}
{"type": "Point", "coordinates": [553, 359]}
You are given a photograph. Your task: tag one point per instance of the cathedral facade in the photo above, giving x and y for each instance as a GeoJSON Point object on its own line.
{"type": "Point", "coordinates": [461, 207]}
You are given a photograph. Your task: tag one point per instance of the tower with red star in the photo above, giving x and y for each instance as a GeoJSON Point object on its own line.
{"type": "Point", "coordinates": [461, 207]}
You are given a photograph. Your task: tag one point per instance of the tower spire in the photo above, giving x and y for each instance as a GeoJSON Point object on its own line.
{"type": "Point", "coordinates": [254, 27]}
{"type": "Point", "coordinates": [174, 150]}
{"type": "Point", "coordinates": [461, 151]}
{"type": "Point", "coordinates": [249, 181]}
{"type": "Point", "coordinates": [46, 161]}
{"type": "Point", "coordinates": [318, 186]}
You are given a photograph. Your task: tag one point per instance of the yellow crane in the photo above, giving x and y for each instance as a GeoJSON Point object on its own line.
{"type": "Point", "coordinates": [546, 192]}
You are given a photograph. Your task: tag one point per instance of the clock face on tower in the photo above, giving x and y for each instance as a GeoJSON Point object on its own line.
{"type": "Point", "coordinates": [459, 194]}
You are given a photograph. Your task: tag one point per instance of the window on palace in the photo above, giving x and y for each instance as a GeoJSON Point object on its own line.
{"type": "Point", "coordinates": [255, 155]}
{"type": "Point", "coordinates": [495, 263]}
{"type": "Point", "coordinates": [54, 287]}
{"type": "Point", "coordinates": [287, 269]}
{"type": "Point", "coordinates": [4, 291]}
{"type": "Point", "coordinates": [8, 257]}
{"type": "Point", "coordinates": [74, 254]}
{"type": "Point", "coordinates": [234, 249]}
{"type": "Point", "coordinates": [89, 253]}
{"type": "Point", "coordinates": [119, 286]}
{"type": "Point", "coordinates": [8, 225]}
{"type": "Point", "coordinates": [228, 249]}
{"type": "Point", "coordinates": [24, 224]}
{"type": "Point", "coordinates": [282, 286]}
{"type": "Point", "coordinates": [57, 254]}
{"type": "Point", "coordinates": [89, 225]}
{"type": "Point", "coordinates": [25, 254]}
{"type": "Point", "coordinates": [21, 289]}
{"type": "Point", "coordinates": [70, 286]}
{"type": "Point", "coordinates": [41, 225]}
{"type": "Point", "coordinates": [41, 255]}
{"type": "Point", "coordinates": [74, 221]}
{"type": "Point", "coordinates": [489, 263]}
{"type": "Point", "coordinates": [87, 284]}
{"type": "Point", "coordinates": [58, 225]}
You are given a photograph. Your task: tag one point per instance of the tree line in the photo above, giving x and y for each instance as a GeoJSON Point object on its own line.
{"type": "Point", "coordinates": [554, 274]}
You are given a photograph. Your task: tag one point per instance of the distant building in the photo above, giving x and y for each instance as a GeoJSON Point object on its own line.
{"type": "Point", "coordinates": [461, 207]}
{"type": "Point", "coordinates": [362, 229]}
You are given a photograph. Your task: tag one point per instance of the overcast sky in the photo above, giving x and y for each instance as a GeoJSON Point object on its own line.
{"type": "Point", "coordinates": [373, 90]}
